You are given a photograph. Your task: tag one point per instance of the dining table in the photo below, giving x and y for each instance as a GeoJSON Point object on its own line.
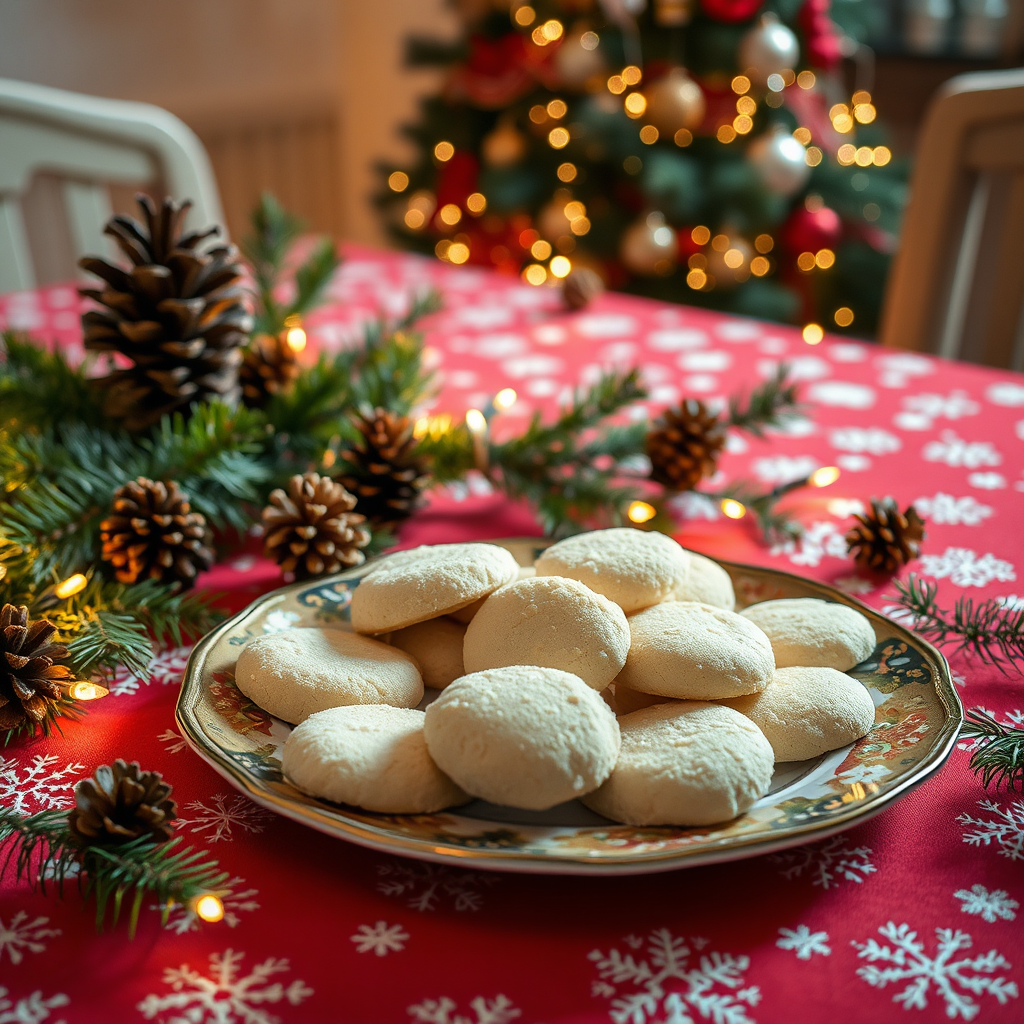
{"type": "Point", "coordinates": [912, 915]}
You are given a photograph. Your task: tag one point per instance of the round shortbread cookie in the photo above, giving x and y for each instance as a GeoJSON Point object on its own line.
{"type": "Point", "coordinates": [465, 615]}
{"type": "Point", "coordinates": [627, 700]}
{"type": "Point", "coordinates": [298, 672]}
{"type": "Point", "coordinates": [523, 736]}
{"type": "Point", "coordinates": [693, 651]}
{"type": "Point", "coordinates": [633, 568]}
{"type": "Point", "coordinates": [707, 583]}
{"type": "Point", "coordinates": [437, 647]}
{"type": "Point", "coordinates": [809, 631]}
{"type": "Point", "coordinates": [369, 756]}
{"type": "Point", "coordinates": [686, 763]}
{"type": "Point", "coordinates": [551, 622]}
{"type": "Point", "coordinates": [806, 711]}
{"type": "Point", "coordinates": [431, 581]}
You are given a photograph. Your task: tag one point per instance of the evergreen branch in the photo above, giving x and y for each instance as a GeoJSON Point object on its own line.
{"type": "Point", "coordinates": [312, 278]}
{"type": "Point", "coordinates": [105, 639]}
{"type": "Point", "coordinates": [274, 230]}
{"type": "Point", "coordinates": [776, 526]}
{"type": "Point", "coordinates": [770, 405]}
{"type": "Point", "coordinates": [989, 630]}
{"type": "Point", "coordinates": [999, 756]}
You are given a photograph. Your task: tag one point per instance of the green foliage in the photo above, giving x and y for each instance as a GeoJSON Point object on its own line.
{"type": "Point", "coordinates": [999, 756]}
{"type": "Point", "coordinates": [775, 525]}
{"type": "Point", "coordinates": [769, 406]}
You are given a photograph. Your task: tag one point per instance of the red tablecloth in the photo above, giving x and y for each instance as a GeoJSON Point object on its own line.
{"type": "Point", "coordinates": [915, 915]}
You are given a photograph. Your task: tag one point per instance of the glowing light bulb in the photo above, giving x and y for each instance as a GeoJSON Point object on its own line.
{"type": "Point", "coordinates": [813, 334]}
{"type": "Point", "coordinates": [444, 151]}
{"type": "Point", "coordinates": [505, 399]}
{"type": "Point", "coordinates": [209, 908]}
{"type": "Point", "coordinates": [733, 509]}
{"type": "Point", "coordinates": [71, 586]}
{"type": "Point", "coordinates": [640, 511]}
{"type": "Point", "coordinates": [824, 476]}
{"type": "Point", "coordinates": [560, 266]}
{"type": "Point", "coordinates": [84, 690]}
{"type": "Point", "coordinates": [398, 181]}
{"type": "Point", "coordinates": [296, 338]}
{"type": "Point", "coordinates": [476, 421]}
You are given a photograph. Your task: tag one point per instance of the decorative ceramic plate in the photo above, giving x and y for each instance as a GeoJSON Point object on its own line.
{"type": "Point", "coordinates": [917, 720]}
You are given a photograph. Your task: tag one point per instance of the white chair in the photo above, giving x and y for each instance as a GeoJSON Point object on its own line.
{"type": "Point", "coordinates": [83, 146]}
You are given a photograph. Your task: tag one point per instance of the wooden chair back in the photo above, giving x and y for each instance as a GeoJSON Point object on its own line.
{"type": "Point", "coordinates": [957, 284]}
{"type": "Point", "coordinates": [60, 155]}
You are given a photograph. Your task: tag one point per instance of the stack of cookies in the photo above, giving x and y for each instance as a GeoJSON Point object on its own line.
{"type": "Point", "coordinates": [615, 670]}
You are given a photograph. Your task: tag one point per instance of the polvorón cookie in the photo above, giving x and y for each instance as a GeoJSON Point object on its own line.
{"type": "Point", "coordinates": [437, 647]}
{"type": "Point", "coordinates": [707, 583]}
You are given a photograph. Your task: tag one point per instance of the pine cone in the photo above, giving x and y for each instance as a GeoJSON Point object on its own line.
{"type": "Point", "coordinates": [312, 529]}
{"type": "Point", "coordinates": [268, 368]}
{"type": "Point", "coordinates": [885, 539]}
{"type": "Point", "coordinates": [151, 532]}
{"type": "Point", "coordinates": [30, 682]}
{"type": "Point", "coordinates": [121, 803]}
{"type": "Point", "coordinates": [176, 314]}
{"type": "Point", "coordinates": [684, 446]}
{"type": "Point", "coordinates": [581, 287]}
{"type": "Point", "coordinates": [382, 469]}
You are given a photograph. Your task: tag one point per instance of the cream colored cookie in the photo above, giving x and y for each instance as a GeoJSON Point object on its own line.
{"type": "Point", "coordinates": [523, 736]}
{"type": "Point", "coordinates": [628, 700]}
{"type": "Point", "coordinates": [808, 631]}
{"type": "Point", "coordinates": [693, 651]}
{"type": "Point", "coordinates": [685, 763]}
{"type": "Point", "coordinates": [370, 756]}
{"type": "Point", "coordinates": [437, 647]}
{"type": "Point", "coordinates": [431, 581]}
{"type": "Point", "coordinates": [708, 583]}
{"type": "Point", "coordinates": [465, 615]}
{"type": "Point", "coordinates": [806, 711]}
{"type": "Point", "coordinates": [633, 568]}
{"type": "Point", "coordinates": [552, 622]}
{"type": "Point", "coordinates": [298, 672]}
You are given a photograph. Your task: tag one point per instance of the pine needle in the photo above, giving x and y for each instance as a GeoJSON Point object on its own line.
{"type": "Point", "coordinates": [771, 405]}
{"type": "Point", "coordinates": [999, 756]}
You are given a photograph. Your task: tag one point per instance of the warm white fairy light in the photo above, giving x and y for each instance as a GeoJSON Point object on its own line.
{"type": "Point", "coordinates": [505, 399]}
{"type": "Point", "coordinates": [641, 511]}
{"type": "Point", "coordinates": [733, 509]}
{"type": "Point", "coordinates": [84, 690]}
{"type": "Point", "coordinates": [209, 908]}
{"type": "Point", "coordinates": [824, 476]}
{"type": "Point", "coordinates": [476, 421]}
{"type": "Point", "coordinates": [71, 586]}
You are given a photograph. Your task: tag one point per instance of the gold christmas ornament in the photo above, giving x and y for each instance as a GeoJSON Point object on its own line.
{"type": "Point", "coordinates": [766, 49]}
{"type": "Point", "coordinates": [121, 803]}
{"type": "Point", "coordinates": [552, 221]}
{"type": "Point", "coordinates": [885, 539]}
{"type": "Point", "coordinates": [673, 13]}
{"type": "Point", "coordinates": [729, 262]}
{"type": "Point", "coordinates": [673, 102]}
{"type": "Point", "coordinates": [579, 58]}
{"type": "Point", "coordinates": [504, 145]}
{"type": "Point", "coordinates": [649, 246]}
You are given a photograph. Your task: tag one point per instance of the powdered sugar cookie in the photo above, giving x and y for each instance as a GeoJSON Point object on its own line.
{"type": "Point", "coordinates": [437, 647]}
{"type": "Point", "coordinates": [707, 583]}
{"type": "Point", "coordinates": [465, 615]}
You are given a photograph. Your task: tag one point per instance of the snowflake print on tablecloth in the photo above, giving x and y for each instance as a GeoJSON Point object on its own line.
{"type": "Point", "coordinates": [827, 864]}
{"type": "Point", "coordinates": [222, 815]}
{"type": "Point", "coordinates": [167, 668]}
{"type": "Point", "coordinates": [953, 406]}
{"type": "Point", "coordinates": [33, 1009]}
{"type": "Point", "coordinates": [907, 961]}
{"type": "Point", "coordinates": [183, 919]}
{"type": "Point", "coordinates": [866, 440]}
{"type": "Point", "coordinates": [665, 982]}
{"type": "Point", "coordinates": [1003, 829]}
{"type": "Point", "coordinates": [989, 906]}
{"type": "Point", "coordinates": [855, 585]}
{"type": "Point", "coordinates": [966, 568]}
{"type": "Point", "coordinates": [37, 786]}
{"type": "Point", "coordinates": [781, 469]}
{"type": "Point", "coordinates": [225, 996]}
{"type": "Point", "coordinates": [424, 885]}
{"type": "Point", "coordinates": [381, 938]}
{"type": "Point", "coordinates": [499, 1010]}
{"type": "Point", "coordinates": [1012, 602]}
{"type": "Point", "coordinates": [949, 511]}
{"type": "Point", "coordinates": [953, 450]}
{"type": "Point", "coordinates": [818, 540]}
{"type": "Point", "coordinates": [804, 942]}
{"type": "Point", "coordinates": [174, 742]}
{"type": "Point", "coordinates": [23, 935]}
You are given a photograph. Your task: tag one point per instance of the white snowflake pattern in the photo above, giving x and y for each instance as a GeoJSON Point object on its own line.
{"type": "Point", "coordinates": [953, 450]}
{"type": "Point", "coordinates": [953, 406]}
{"type": "Point", "coordinates": [780, 469]}
{"type": "Point", "coordinates": [425, 884]}
{"type": "Point", "coordinates": [987, 905]}
{"type": "Point", "coordinates": [23, 935]}
{"type": "Point", "coordinates": [499, 1010]}
{"type": "Point", "coordinates": [944, 508]}
{"type": "Point", "coordinates": [1013, 602]}
{"type": "Point", "coordinates": [694, 505]}
{"type": "Point", "coordinates": [872, 440]}
{"type": "Point", "coordinates": [804, 942]}
{"type": "Point", "coordinates": [818, 540]}
{"type": "Point", "coordinates": [953, 979]}
{"type": "Point", "coordinates": [381, 938]}
{"type": "Point", "coordinates": [966, 568]}
{"type": "Point", "coordinates": [1005, 828]}
{"type": "Point", "coordinates": [826, 864]}
{"type": "Point", "coordinates": [225, 996]}
{"type": "Point", "coordinates": [165, 669]}
{"type": "Point", "coordinates": [666, 982]}
{"type": "Point", "coordinates": [174, 742]}
{"type": "Point", "coordinates": [32, 1009]}
{"type": "Point", "coordinates": [36, 787]}
{"type": "Point", "coordinates": [987, 481]}
{"type": "Point", "coordinates": [855, 585]}
{"type": "Point", "coordinates": [221, 815]}
{"type": "Point", "coordinates": [182, 919]}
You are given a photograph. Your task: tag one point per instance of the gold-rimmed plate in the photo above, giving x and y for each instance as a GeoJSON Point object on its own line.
{"type": "Point", "coordinates": [917, 718]}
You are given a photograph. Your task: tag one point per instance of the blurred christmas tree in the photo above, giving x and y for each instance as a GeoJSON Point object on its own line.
{"type": "Point", "coordinates": [701, 151]}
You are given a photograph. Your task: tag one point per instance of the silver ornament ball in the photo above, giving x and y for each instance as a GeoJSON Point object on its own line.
{"type": "Point", "coordinates": [780, 162]}
{"type": "Point", "coordinates": [768, 48]}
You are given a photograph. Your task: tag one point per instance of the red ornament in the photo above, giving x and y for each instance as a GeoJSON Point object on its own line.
{"type": "Point", "coordinates": [822, 47]}
{"type": "Point", "coordinates": [811, 230]}
{"type": "Point", "coordinates": [731, 10]}
{"type": "Point", "coordinates": [497, 73]}
{"type": "Point", "coordinates": [456, 179]}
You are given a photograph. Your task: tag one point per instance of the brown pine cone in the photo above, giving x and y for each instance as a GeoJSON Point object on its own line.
{"type": "Point", "coordinates": [382, 469]}
{"type": "Point", "coordinates": [885, 539]}
{"type": "Point", "coordinates": [152, 532]}
{"type": "Point", "coordinates": [580, 287]}
{"type": "Point", "coordinates": [121, 803]}
{"type": "Point", "coordinates": [684, 445]}
{"type": "Point", "coordinates": [269, 367]}
{"type": "Point", "coordinates": [311, 529]}
{"type": "Point", "coordinates": [30, 682]}
{"type": "Point", "coordinates": [176, 314]}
